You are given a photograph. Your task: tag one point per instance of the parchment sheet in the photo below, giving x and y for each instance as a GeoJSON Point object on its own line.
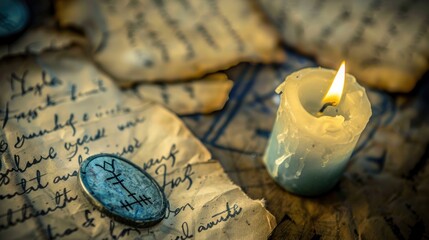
{"type": "Point", "coordinates": [152, 40]}
{"type": "Point", "coordinates": [384, 42]}
{"type": "Point", "coordinates": [43, 38]}
{"type": "Point", "coordinates": [204, 95]}
{"type": "Point", "coordinates": [56, 110]}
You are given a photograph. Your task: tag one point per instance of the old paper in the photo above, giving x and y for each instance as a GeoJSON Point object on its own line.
{"type": "Point", "coordinates": [204, 95]}
{"type": "Point", "coordinates": [384, 42]}
{"type": "Point", "coordinates": [39, 39]}
{"type": "Point", "coordinates": [56, 110]}
{"type": "Point", "coordinates": [149, 40]}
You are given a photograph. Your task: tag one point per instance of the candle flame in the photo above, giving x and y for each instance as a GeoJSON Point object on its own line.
{"type": "Point", "coordinates": [335, 92]}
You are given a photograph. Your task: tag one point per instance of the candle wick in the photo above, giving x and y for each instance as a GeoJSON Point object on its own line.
{"type": "Point", "coordinates": [325, 106]}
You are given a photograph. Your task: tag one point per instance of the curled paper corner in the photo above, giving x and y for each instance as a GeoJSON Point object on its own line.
{"type": "Point", "coordinates": [263, 202]}
{"type": "Point", "coordinates": [270, 218]}
{"type": "Point", "coordinates": [279, 89]}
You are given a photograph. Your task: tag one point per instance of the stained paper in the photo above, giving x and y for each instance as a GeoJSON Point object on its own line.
{"type": "Point", "coordinates": [39, 39]}
{"type": "Point", "coordinates": [148, 40]}
{"type": "Point", "coordinates": [385, 43]}
{"type": "Point", "coordinates": [204, 95]}
{"type": "Point", "coordinates": [57, 109]}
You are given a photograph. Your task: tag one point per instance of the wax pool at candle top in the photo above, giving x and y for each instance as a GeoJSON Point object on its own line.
{"type": "Point", "coordinates": [304, 97]}
{"type": "Point", "coordinates": [307, 154]}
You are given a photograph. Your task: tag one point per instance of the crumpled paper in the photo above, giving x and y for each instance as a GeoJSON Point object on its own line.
{"type": "Point", "coordinates": [56, 110]}
{"type": "Point", "coordinates": [40, 39]}
{"type": "Point", "coordinates": [204, 95]}
{"type": "Point", "coordinates": [145, 40]}
{"type": "Point", "coordinates": [384, 42]}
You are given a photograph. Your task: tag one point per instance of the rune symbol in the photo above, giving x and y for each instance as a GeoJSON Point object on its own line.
{"type": "Point", "coordinates": [115, 180]}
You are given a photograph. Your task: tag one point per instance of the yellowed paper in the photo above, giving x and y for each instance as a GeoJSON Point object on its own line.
{"type": "Point", "coordinates": [384, 42]}
{"type": "Point", "coordinates": [39, 39]}
{"type": "Point", "coordinates": [147, 40]}
{"type": "Point", "coordinates": [56, 110]}
{"type": "Point", "coordinates": [204, 95]}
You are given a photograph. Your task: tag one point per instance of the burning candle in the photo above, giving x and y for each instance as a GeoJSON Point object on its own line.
{"type": "Point", "coordinates": [319, 121]}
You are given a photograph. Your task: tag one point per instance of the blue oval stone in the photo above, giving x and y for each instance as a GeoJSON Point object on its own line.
{"type": "Point", "coordinates": [14, 16]}
{"type": "Point", "coordinates": [122, 190]}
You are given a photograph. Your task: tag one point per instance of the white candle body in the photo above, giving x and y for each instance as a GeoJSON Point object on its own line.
{"type": "Point", "coordinates": [306, 154]}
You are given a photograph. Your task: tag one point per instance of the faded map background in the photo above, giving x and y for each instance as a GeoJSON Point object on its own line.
{"type": "Point", "coordinates": [385, 190]}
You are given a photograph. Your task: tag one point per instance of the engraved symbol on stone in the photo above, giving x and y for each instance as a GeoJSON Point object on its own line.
{"type": "Point", "coordinates": [116, 180]}
{"type": "Point", "coordinates": [122, 190]}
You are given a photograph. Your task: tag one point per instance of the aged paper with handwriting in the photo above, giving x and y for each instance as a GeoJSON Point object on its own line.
{"type": "Point", "coordinates": [158, 40]}
{"type": "Point", "coordinates": [39, 39]}
{"type": "Point", "coordinates": [201, 95]}
{"type": "Point", "coordinates": [204, 95]}
{"type": "Point", "coordinates": [385, 42]}
{"type": "Point", "coordinates": [56, 110]}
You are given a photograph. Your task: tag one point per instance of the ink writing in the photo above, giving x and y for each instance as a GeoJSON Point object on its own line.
{"type": "Point", "coordinates": [89, 221]}
{"type": "Point", "coordinates": [86, 138]}
{"type": "Point", "coordinates": [178, 210]}
{"type": "Point", "coordinates": [74, 94]}
{"type": "Point", "coordinates": [28, 211]}
{"type": "Point", "coordinates": [53, 235]}
{"type": "Point", "coordinates": [17, 167]}
{"type": "Point", "coordinates": [20, 87]}
{"type": "Point", "coordinates": [185, 232]}
{"type": "Point", "coordinates": [39, 184]}
{"type": "Point", "coordinates": [118, 109]}
{"type": "Point", "coordinates": [223, 216]}
{"type": "Point", "coordinates": [130, 124]}
{"type": "Point", "coordinates": [66, 177]}
{"type": "Point", "coordinates": [156, 161]}
{"type": "Point", "coordinates": [30, 114]}
{"type": "Point", "coordinates": [3, 148]}
{"type": "Point", "coordinates": [130, 148]}
{"type": "Point", "coordinates": [123, 233]}
{"type": "Point", "coordinates": [70, 122]}
{"type": "Point", "coordinates": [175, 182]}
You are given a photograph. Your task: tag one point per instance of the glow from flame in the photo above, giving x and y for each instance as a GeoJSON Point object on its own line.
{"type": "Point", "coordinates": [335, 92]}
